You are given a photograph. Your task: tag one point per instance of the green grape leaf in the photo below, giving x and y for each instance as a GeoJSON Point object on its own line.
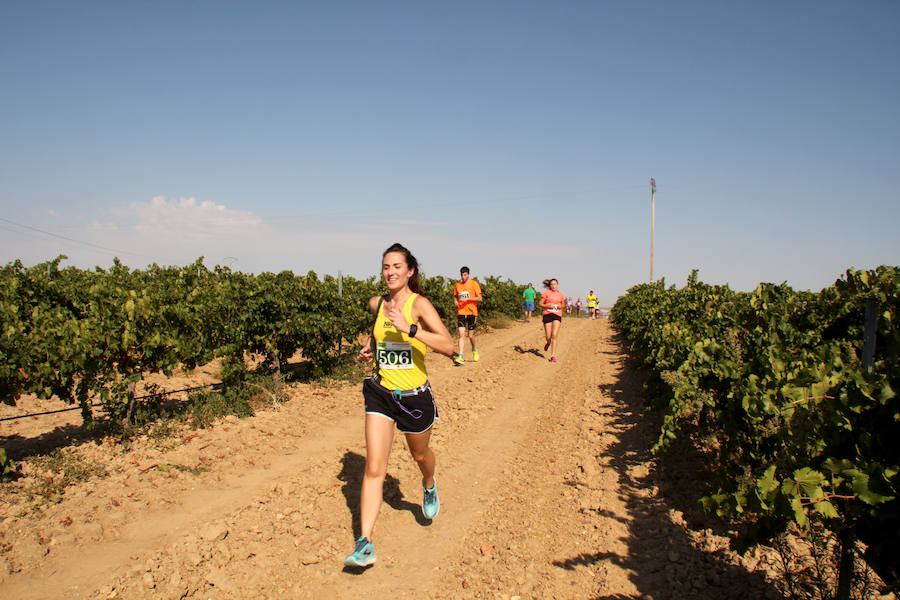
{"type": "Point", "coordinates": [826, 509]}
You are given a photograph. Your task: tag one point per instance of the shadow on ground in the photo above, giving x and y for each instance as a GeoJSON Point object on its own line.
{"type": "Point", "coordinates": [19, 447]}
{"type": "Point", "coordinates": [664, 560]}
{"type": "Point", "coordinates": [522, 350]}
{"type": "Point", "coordinates": [352, 467]}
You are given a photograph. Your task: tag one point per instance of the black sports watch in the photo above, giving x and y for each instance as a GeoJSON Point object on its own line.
{"type": "Point", "coordinates": [412, 330]}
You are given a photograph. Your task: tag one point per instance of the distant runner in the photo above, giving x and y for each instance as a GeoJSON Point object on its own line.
{"type": "Point", "coordinates": [529, 295]}
{"type": "Point", "coordinates": [552, 302]}
{"type": "Point", "coordinates": [578, 308]}
{"type": "Point", "coordinates": [466, 296]}
{"type": "Point", "coordinates": [568, 306]}
{"type": "Point", "coordinates": [398, 393]}
{"type": "Point", "coordinates": [592, 304]}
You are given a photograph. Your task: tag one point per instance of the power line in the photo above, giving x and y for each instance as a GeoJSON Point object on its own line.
{"type": "Point", "coordinates": [68, 239]}
{"type": "Point", "coordinates": [369, 208]}
{"type": "Point", "coordinates": [481, 202]}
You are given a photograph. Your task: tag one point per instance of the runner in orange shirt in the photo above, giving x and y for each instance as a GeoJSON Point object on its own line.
{"type": "Point", "coordinates": [552, 301]}
{"type": "Point", "coordinates": [466, 296]}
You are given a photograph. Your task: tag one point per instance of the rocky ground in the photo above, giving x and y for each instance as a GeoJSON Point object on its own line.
{"type": "Point", "coordinates": [547, 489]}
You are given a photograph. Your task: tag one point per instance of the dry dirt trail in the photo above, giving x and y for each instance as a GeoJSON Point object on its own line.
{"type": "Point", "coordinates": [546, 484]}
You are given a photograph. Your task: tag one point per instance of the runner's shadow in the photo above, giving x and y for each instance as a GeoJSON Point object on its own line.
{"type": "Point", "coordinates": [522, 350]}
{"type": "Point", "coordinates": [352, 467]}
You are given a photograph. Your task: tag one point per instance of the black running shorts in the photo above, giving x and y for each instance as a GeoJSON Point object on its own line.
{"type": "Point", "coordinates": [550, 317]}
{"type": "Point", "coordinates": [413, 412]}
{"type": "Point", "coordinates": [467, 321]}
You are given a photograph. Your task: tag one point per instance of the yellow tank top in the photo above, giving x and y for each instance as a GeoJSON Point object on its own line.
{"type": "Point", "coordinates": [400, 359]}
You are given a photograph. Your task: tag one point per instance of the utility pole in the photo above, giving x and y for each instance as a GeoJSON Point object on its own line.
{"type": "Point", "coordinates": [652, 222]}
{"type": "Point", "coordinates": [341, 294]}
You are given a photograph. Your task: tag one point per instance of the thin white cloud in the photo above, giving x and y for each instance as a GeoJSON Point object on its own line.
{"type": "Point", "coordinates": [530, 250]}
{"type": "Point", "coordinates": [168, 231]}
{"type": "Point", "coordinates": [97, 226]}
{"type": "Point", "coordinates": [410, 223]}
{"type": "Point", "coordinates": [52, 213]}
{"type": "Point", "coordinates": [187, 216]}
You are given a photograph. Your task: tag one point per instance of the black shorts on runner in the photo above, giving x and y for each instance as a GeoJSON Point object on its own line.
{"type": "Point", "coordinates": [467, 321]}
{"type": "Point", "coordinates": [414, 411]}
{"type": "Point", "coordinates": [550, 317]}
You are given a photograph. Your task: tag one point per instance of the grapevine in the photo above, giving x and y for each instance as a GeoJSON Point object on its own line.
{"type": "Point", "coordinates": [804, 432]}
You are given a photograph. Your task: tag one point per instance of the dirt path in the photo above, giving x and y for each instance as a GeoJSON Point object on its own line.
{"type": "Point", "coordinates": [547, 491]}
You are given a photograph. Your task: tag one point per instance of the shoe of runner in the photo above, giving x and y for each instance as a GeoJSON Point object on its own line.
{"type": "Point", "coordinates": [552, 359]}
{"type": "Point", "coordinates": [474, 355]}
{"type": "Point", "coordinates": [458, 360]}
{"type": "Point", "coordinates": [363, 554]}
{"type": "Point", "coordinates": [430, 503]}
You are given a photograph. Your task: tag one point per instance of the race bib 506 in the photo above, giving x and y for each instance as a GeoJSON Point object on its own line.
{"type": "Point", "coordinates": [395, 355]}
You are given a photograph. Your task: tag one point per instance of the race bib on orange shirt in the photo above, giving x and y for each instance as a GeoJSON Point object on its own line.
{"type": "Point", "coordinates": [463, 293]}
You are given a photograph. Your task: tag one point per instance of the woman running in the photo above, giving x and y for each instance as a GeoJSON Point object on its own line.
{"type": "Point", "coordinates": [552, 301]}
{"type": "Point", "coordinates": [398, 392]}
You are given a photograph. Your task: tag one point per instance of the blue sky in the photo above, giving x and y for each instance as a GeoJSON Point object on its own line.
{"type": "Point", "coordinates": [517, 138]}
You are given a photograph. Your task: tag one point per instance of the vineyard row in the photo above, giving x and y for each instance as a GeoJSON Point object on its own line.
{"type": "Point", "coordinates": [79, 334]}
{"type": "Point", "coordinates": [795, 392]}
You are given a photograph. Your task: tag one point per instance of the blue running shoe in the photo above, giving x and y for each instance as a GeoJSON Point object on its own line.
{"type": "Point", "coordinates": [430, 505]}
{"type": "Point", "coordinates": [363, 555]}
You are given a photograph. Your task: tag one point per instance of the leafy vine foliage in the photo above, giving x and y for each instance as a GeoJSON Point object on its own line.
{"type": "Point", "coordinates": [81, 335]}
{"type": "Point", "coordinates": [805, 433]}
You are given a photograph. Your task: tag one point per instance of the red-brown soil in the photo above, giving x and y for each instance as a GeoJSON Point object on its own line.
{"type": "Point", "coordinates": [547, 489]}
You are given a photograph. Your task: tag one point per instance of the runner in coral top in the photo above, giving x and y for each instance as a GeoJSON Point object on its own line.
{"type": "Point", "coordinates": [552, 301]}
